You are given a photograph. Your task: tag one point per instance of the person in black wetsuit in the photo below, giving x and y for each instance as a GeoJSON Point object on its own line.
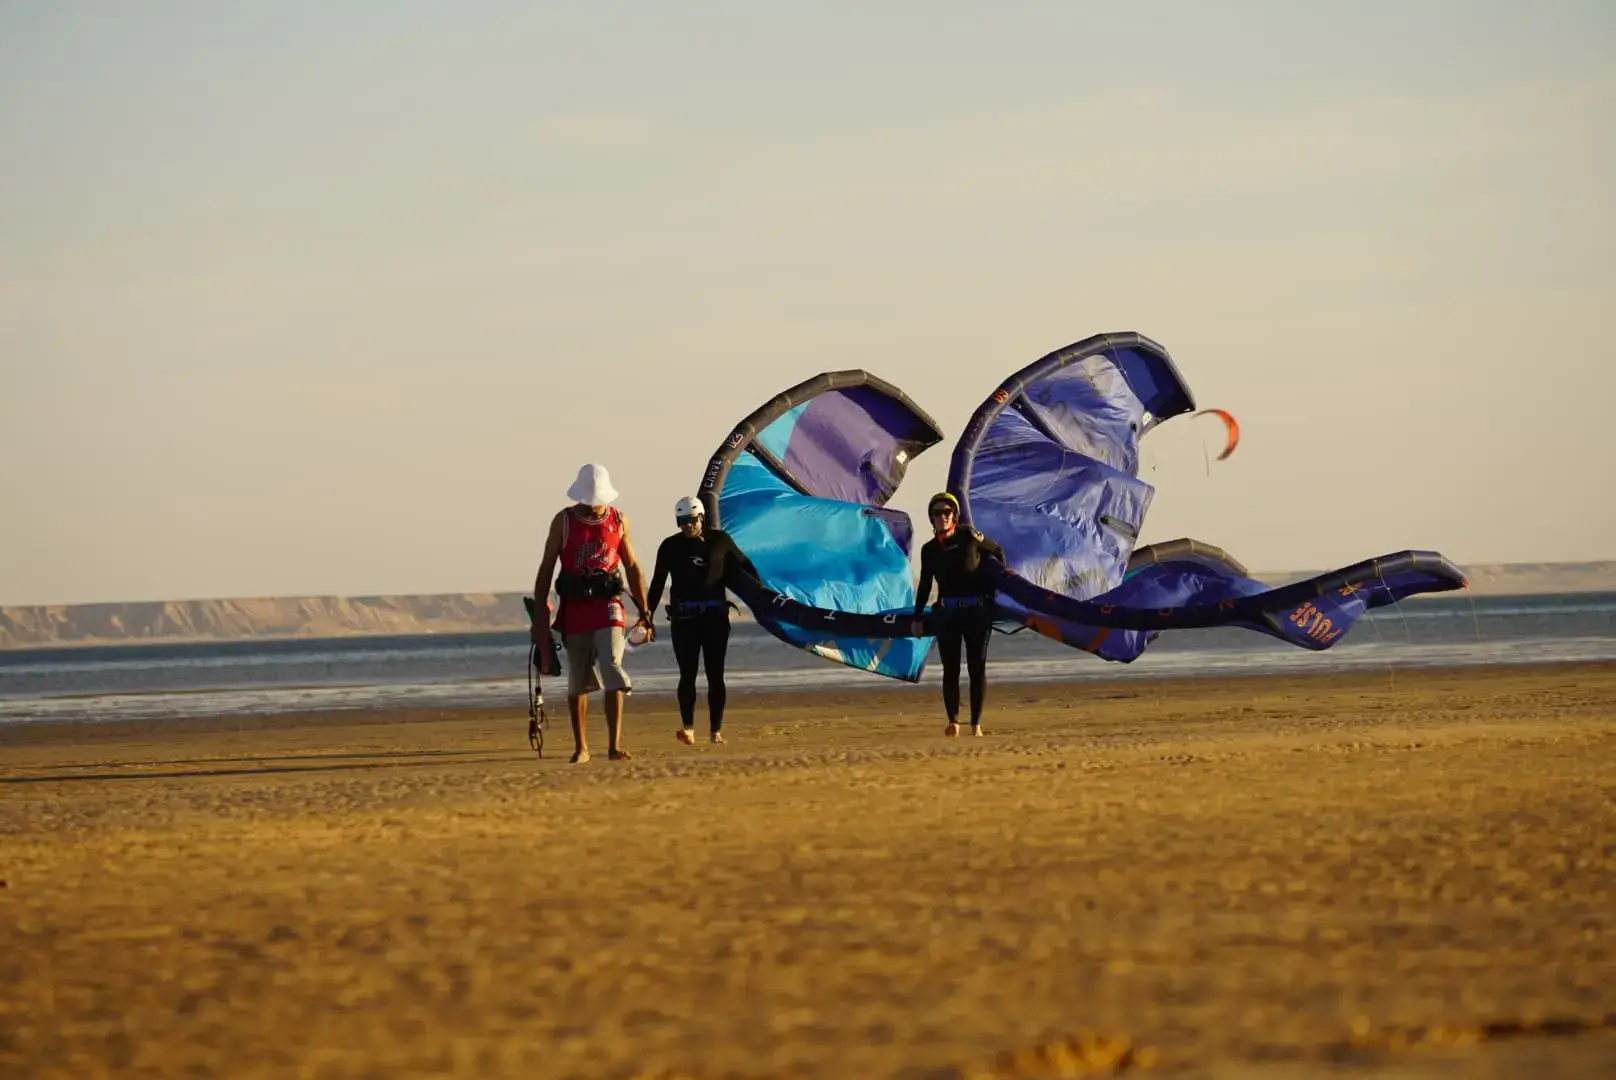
{"type": "Point", "coordinates": [694, 561]}
{"type": "Point", "coordinates": [953, 559]}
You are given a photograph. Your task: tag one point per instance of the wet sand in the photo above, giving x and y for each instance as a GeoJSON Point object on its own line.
{"type": "Point", "coordinates": [1394, 874]}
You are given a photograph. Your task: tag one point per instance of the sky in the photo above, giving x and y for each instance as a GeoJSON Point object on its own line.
{"type": "Point", "coordinates": [305, 298]}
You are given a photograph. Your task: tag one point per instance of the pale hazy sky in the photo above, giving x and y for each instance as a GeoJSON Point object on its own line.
{"type": "Point", "coordinates": [300, 297]}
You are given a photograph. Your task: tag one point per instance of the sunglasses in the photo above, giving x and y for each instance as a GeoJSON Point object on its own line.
{"type": "Point", "coordinates": [687, 520]}
{"type": "Point", "coordinates": [940, 511]}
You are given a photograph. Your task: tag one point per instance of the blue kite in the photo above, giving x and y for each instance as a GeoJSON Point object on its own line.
{"type": "Point", "coordinates": [1047, 466]}
{"type": "Point", "coordinates": [801, 486]}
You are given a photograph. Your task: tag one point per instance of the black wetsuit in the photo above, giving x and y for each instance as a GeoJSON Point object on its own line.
{"type": "Point", "coordinates": [966, 598]}
{"type": "Point", "coordinates": [698, 613]}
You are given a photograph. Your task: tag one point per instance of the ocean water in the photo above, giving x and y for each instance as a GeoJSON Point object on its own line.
{"type": "Point", "coordinates": [309, 675]}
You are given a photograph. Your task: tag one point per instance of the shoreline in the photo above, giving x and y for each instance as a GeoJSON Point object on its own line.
{"type": "Point", "coordinates": [885, 693]}
{"type": "Point", "coordinates": [1507, 591]}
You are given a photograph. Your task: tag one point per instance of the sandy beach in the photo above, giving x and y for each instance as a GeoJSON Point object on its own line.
{"type": "Point", "coordinates": [1392, 875]}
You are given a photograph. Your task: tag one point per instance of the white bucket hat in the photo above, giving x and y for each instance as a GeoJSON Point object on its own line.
{"type": "Point", "coordinates": [593, 487]}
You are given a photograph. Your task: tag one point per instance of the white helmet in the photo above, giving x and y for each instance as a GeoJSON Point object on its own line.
{"type": "Point", "coordinates": [689, 508]}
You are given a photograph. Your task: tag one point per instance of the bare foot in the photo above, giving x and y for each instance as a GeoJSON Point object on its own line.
{"type": "Point", "coordinates": [619, 755]}
{"type": "Point", "coordinates": [951, 730]}
{"type": "Point", "coordinates": [687, 736]}
{"type": "Point", "coordinates": [718, 736]}
{"type": "Point", "coordinates": [580, 756]}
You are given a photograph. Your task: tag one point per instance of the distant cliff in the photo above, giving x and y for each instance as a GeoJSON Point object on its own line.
{"type": "Point", "coordinates": [1512, 579]}
{"type": "Point", "coordinates": [1495, 579]}
{"type": "Point", "coordinates": [297, 616]}
{"type": "Point", "coordinates": [458, 613]}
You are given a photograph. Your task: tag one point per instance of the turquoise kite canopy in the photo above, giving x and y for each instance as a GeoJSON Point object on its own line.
{"type": "Point", "coordinates": [801, 485]}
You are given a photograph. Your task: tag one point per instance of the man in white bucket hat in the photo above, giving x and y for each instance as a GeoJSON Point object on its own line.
{"type": "Point", "coordinates": [590, 542]}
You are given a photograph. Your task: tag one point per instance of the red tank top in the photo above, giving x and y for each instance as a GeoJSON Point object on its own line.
{"type": "Point", "coordinates": [590, 545]}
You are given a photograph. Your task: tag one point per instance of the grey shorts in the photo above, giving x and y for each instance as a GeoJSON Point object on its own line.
{"type": "Point", "coordinates": [595, 661]}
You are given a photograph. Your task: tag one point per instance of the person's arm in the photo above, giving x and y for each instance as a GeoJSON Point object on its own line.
{"type": "Point", "coordinates": [547, 564]}
{"type": "Point", "coordinates": [727, 554]}
{"type": "Point", "coordinates": [539, 628]}
{"type": "Point", "coordinates": [745, 563]}
{"type": "Point", "coordinates": [636, 575]}
{"type": "Point", "coordinates": [659, 575]}
{"type": "Point", "coordinates": [992, 551]}
{"type": "Point", "coordinates": [923, 593]}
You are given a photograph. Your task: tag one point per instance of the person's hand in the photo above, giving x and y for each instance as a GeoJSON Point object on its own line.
{"type": "Point", "coordinates": [917, 627]}
{"type": "Point", "coordinates": [540, 636]}
{"type": "Point", "coordinates": [650, 627]}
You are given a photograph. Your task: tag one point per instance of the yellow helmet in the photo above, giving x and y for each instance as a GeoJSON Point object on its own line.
{"type": "Point", "coordinates": [945, 498]}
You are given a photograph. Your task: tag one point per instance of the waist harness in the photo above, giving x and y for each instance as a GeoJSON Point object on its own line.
{"type": "Point", "coordinates": [589, 585]}
{"type": "Point", "coordinates": [689, 609]}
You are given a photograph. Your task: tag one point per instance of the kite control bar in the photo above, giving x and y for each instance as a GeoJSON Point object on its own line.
{"type": "Point", "coordinates": [535, 688]}
{"type": "Point", "coordinates": [535, 702]}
